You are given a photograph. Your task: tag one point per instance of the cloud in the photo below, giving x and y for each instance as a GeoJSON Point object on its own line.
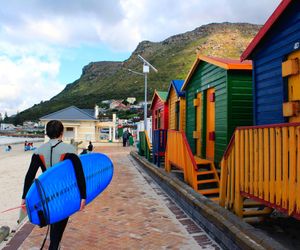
{"type": "Point", "coordinates": [119, 23]}
{"type": "Point", "coordinates": [26, 78]}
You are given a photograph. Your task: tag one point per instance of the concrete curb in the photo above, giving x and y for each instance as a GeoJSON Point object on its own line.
{"type": "Point", "coordinates": [231, 231]}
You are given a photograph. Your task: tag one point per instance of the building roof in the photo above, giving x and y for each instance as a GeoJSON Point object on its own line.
{"type": "Point", "coordinates": [162, 95]}
{"type": "Point", "coordinates": [91, 112]}
{"type": "Point", "coordinates": [264, 30]}
{"type": "Point", "coordinates": [176, 84]}
{"type": "Point", "coordinates": [228, 64]}
{"type": "Point", "coordinates": [71, 113]}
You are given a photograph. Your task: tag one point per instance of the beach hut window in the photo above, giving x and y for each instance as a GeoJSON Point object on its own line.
{"type": "Point", "coordinates": [159, 119]}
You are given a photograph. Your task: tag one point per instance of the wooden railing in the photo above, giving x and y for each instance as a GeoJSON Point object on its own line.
{"type": "Point", "coordinates": [263, 163]}
{"type": "Point", "coordinates": [159, 143]}
{"type": "Point", "coordinates": [179, 155]}
{"type": "Point", "coordinates": [148, 149]}
{"type": "Point", "coordinates": [145, 147]}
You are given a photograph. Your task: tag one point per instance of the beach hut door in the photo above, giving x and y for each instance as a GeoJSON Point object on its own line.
{"type": "Point", "coordinates": [197, 133]}
{"type": "Point", "coordinates": [291, 70]}
{"type": "Point", "coordinates": [210, 124]}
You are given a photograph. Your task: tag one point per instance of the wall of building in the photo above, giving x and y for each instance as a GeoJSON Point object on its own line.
{"type": "Point", "coordinates": [269, 87]}
{"type": "Point", "coordinates": [206, 76]}
{"type": "Point", "coordinates": [172, 108]}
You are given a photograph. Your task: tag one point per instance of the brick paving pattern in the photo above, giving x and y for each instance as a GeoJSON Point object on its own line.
{"type": "Point", "coordinates": [132, 213]}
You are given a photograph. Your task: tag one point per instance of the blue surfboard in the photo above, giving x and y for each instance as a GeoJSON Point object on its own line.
{"type": "Point", "coordinates": [55, 194]}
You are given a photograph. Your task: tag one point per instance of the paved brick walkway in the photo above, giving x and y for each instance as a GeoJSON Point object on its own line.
{"type": "Point", "coordinates": [132, 213]}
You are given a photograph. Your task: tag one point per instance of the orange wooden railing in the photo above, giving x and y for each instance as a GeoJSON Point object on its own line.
{"type": "Point", "coordinates": [263, 163]}
{"type": "Point", "coordinates": [148, 146]}
{"type": "Point", "coordinates": [179, 155]}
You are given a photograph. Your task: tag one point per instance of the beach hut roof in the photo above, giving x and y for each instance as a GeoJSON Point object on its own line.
{"type": "Point", "coordinates": [162, 95]}
{"type": "Point", "coordinates": [265, 29]}
{"type": "Point", "coordinates": [228, 64]}
{"type": "Point", "coordinates": [71, 113]}
{"type": "Point", "coordinates": [177, 85]}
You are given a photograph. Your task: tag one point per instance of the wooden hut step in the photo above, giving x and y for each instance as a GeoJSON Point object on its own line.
{"type": "Point", "coordinates": [200, 161]}
{"type": "Point", "coordinates": [209, 191]}
{"type": "Point", "coordinates": [254, 212]}
{"type": "Point", "coordinates": [207, 181]}
{"type": "Point", "coordinates": [252, 203]}
{"type": "Point", "coordinates": [205, 172]}
{"type": "Point", "coordinates": [215, 199]}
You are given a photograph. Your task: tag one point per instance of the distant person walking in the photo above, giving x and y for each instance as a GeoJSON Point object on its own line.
{"type": "Point", "coordinates": [125, 138]}
{"type": "Point", "coordinates": [90, 147]}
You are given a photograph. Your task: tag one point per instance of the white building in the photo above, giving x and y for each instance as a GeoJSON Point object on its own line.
{"type": "Point", "coordinates": [82, 125]}
{"type": "Point", "coordinates": [140, 127]}
{"type": "Point", "coordinates": [131, 100]}
{"type": "Point", "coordinates": [7, 126]}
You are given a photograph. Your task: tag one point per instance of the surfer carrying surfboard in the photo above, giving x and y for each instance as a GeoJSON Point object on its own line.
{"type": "Point", "coordinates": [47, 155]}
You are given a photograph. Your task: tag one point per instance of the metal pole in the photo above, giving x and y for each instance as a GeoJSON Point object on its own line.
{"type": "Point", "coordinates": [145, 104]}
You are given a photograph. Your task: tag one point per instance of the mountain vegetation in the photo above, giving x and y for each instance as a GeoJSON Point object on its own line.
{"type": "Point", "coordinates": [173, 58]}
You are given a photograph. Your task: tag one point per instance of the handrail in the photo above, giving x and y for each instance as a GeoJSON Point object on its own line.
{"type": "Point", "coordinates": [278, 125]}
{"type": "Point", "coordinates": [263, 163]}
{"type": "Point", "coordinates": [179, 154]}
{"type": "Point", "coordinates": [147, 139]}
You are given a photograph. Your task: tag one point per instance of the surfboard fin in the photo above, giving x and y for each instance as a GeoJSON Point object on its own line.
{"type": "Point", "coordinates": [42, 218]}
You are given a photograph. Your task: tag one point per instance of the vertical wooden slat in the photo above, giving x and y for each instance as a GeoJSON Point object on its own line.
{"type": "Point", "coordinates": [223, 183]}
{"type": "Point", "coordinates": [292, 170]}
{"type": "Point", "coordinates": [228, 186]}
{"type": "Point", "coordinates": [266, 179]}
{"type": "Point", "coordinates": [167, 165]}
{"type": "Point", "coordinates": [237, 194]}
{"type": "Point", "coordinates": [242, 161]}
{"type": "Point", "coordinates": [251, 160]}
{"type": "Point", "coordinates": [272, 165]}
{"type": "Point", "coordinates": [278, 194]}
{"type": "Point", "coordinates": [260, 163]}
{"type": "Point", "coordinates": [247, 161]}
{"type": "Point", "coordinates": [285, 162]}
{"type": "Point", "coordinates": [298, 170]}
{"type": "Point", "coordinates": [255, 151]}
{"type": "Point", "coordinates": [232, 179]}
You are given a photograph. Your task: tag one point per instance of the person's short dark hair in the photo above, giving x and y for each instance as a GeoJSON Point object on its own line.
{"type": "Point", "coordinates": [54, 129]}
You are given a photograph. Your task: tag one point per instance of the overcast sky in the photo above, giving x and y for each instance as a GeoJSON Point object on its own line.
{"type": "Point", "coordinates": [45, 43]}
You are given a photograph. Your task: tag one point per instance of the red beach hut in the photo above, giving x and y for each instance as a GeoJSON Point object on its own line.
{"type": "Point", "coordinates": [159, 108]}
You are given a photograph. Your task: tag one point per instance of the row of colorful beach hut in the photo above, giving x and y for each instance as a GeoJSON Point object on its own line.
{"type": "Point", "coordinates": [232, 125]}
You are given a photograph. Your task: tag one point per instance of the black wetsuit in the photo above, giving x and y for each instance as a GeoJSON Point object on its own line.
{"type": "Point", "coordinates": [45, 156]}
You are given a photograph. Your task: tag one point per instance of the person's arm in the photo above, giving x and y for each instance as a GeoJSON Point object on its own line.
{"type": "Point", "coordinates": [79, 177]}
{"type": "Point", "coordinates": [32, 170]}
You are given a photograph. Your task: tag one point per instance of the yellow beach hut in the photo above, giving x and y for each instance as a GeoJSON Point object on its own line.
{"type": "Point", "coordinates": [176, 104]}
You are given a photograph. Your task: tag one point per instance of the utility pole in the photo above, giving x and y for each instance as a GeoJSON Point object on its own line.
{"type": "Point", "coordinates": [146, 70]}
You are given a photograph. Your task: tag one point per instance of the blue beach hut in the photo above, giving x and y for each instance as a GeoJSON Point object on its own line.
{"type": "Point", "coordinates": [275, 52]}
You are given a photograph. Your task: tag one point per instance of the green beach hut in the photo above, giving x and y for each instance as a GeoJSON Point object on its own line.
{"type": "Point", "coordinates": [218, 99]}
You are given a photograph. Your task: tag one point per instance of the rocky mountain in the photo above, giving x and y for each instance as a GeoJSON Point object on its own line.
{"type": "Point", "coordinates": [173, 58]}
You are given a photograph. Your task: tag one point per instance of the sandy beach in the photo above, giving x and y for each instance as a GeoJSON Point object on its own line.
{"type": "Point", "coordinates": [13, 167]}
